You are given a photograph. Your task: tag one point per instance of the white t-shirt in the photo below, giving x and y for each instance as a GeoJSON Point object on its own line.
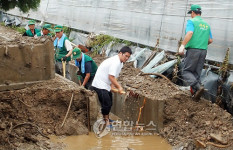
{"type": "Point", "coordinates": [111, 66]}
{"type": "Point", "coordinates": [68, 45]}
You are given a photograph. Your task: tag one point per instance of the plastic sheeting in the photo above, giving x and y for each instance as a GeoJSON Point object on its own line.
{"type": "Point", "coordinates": [162, 68]}
{"type": "Point", "coordinates": [153, 62]}
{"type": "Point", "coordinates": [139, 55]}
{"type": "Point", "coordinates": [141, 21]}
{"type": "Point", "coordinates": [210, 81]}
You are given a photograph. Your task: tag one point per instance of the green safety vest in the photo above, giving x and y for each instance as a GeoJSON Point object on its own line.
{"type": "Point", "coordinates": [93, 66]}
{"type": "Point", "coordinates": [61, 52]}
{"type": "Point", "coordinates": [200, 35]}
{"type": "Point", "coordinates": [39, 34]}
{"type": "Point", "coordinates": [29, 32]}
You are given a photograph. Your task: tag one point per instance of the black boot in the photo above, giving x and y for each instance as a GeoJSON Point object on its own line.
{"type": "Point", "coordinates": [199, 93]}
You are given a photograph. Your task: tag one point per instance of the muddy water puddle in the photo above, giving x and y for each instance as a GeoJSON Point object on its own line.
{"type": "Point", "coordinates": [113, 142]}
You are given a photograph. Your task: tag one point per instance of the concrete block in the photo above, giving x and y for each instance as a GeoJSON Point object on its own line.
{"type": "Point", "coordinates": [128, 110]}
{"type": "Point", "coordinates": [27, 62]}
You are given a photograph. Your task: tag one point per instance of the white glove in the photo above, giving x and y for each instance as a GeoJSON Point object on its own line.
{"type": "Point", "coordinates": [181, 50]}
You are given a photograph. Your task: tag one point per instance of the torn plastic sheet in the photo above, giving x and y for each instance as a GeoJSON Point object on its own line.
{"type": "Point", "coordinates": [78, 38]}
{"type": "Point", "coordinates": [228, 93]}
{"type": "Point", "coordinates": [139, 56]}
{"type": "Point", "coordinates": [153, 62]}
{"type": "Point", "coordinates": [162, 68]}
{"type": "Point", "coordinates": [210, 82]}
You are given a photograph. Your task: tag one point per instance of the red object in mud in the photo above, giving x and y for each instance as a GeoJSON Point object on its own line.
{"type": "Point", "coordinates": [191, 91]}
{"type": "Point", "coordinates": [83, 48]}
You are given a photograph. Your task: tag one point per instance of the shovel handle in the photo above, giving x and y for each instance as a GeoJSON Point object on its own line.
{"type": "Point", "coordinates": [64, 68]}
{"type": "Point", "coordinates": [116, 91]}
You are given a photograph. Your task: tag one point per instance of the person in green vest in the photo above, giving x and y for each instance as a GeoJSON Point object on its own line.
{"type": "Point", "coordinates": [86, 67]}
{"type": "Point", "coordinates": [45, 31]}
{"type": "Point", "coordinates": [63, 48]}
{"type": "Point", "coordinates": [31, 32]}
{"type": "Point", "coordinates": [198, 37]}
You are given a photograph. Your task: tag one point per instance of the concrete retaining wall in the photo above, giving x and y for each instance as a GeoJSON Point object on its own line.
{"type": "Point", "coordinates": [26, 63]}
{"type": "Point", "coordinates": [128, 110]}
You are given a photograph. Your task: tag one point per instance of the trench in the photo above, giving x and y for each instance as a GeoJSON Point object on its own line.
{"type": "Point", "coordinates": [30, 114]}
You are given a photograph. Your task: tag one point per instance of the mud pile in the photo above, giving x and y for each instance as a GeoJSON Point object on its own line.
{"type": "Point", "coordinates": [185, 121]}
{"type": "Point", "coordinates": [29, 115]}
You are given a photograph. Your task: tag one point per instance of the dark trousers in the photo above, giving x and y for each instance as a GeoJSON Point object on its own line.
{"type": "Point", "coordinates": [89, 82]}
{"type": "Point", "coordinates": [105, 99]}
{"type": "Point", "coordinates": [193, 64]}
{"type": "Point", "coordinates": [59, 69]}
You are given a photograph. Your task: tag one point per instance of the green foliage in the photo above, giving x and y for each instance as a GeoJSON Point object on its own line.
{"type": "Point", "coordinates": [18, 29]}
{"type": "Point", "coordinates": [23, 5]}
{"type": "Point", "coordinates": [128, 43]}
{"type": "Point", "coordinates": [101, 40]}
{"type": "Point", "coordinates": [2, 24]}
{"type": "Point", "coordinates": [21, 30]}
{"type": "Point", "coordinates": [225, 65]}
{"type": "Point", "coordinates": [66, 30]}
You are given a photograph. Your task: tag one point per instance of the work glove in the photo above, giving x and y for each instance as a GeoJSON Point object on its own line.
{"type": "Point", "coordinates": [63, 58]}
{"type": "Point", "coordinates": [78, 72]}
{"type": "Point", "coordinates": [181, 50]}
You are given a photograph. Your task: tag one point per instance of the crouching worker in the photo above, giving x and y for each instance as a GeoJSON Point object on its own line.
{"type": "Point", "coordinates": [45, 31]}
{"type": "Point", "coordinates": [106, 79]}
{"type": "Point", "coordinates": [32, 31]}
{"type": "Point", "coordinates": [86, 67]}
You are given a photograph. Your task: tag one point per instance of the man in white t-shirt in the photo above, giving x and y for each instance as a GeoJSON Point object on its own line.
{"type": "Point", "coordinates": [105, 80]}
{"type": "Point", "coordinates": [63, 49]}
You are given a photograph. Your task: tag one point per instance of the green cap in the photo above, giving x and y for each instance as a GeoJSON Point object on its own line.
{"type": "Point", "coordinates": [194, 8]}
{"type": "Point", "coordinates": [31, 22]}
{"type": "Point", "coordinates": [48, 27]}
{"type": "Point", "coordinates": [76, 53]}
{"type": "Point", "coordinates": [58, 28]}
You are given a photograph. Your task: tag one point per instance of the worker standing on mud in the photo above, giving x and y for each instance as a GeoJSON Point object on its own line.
{"type": "Point", "coordinates": [105, 80]}
{"type": "Point", "coordinates": [31, 31]}
{"type": "Point", "coordinates": [45, 31]}
{"type": "Point", "coordinates": [63, 48]}
{"type": "Point", "coordinates": [87, 67]}
{"type": "Point", "coordinates": [198, 37]}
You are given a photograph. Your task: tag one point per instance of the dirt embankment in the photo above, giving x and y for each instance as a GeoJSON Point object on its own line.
{"type": "Point", "coordinates": [185, 121]}
{"type": "Point", "coordinates": [29, 115]}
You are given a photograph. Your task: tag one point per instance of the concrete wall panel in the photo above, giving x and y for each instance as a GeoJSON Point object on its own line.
{"type": "Point", "coordinates": [26, 63]}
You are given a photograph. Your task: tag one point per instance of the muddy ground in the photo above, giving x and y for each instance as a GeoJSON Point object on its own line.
{"type": "Point", "coordinates": [29, 115]}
